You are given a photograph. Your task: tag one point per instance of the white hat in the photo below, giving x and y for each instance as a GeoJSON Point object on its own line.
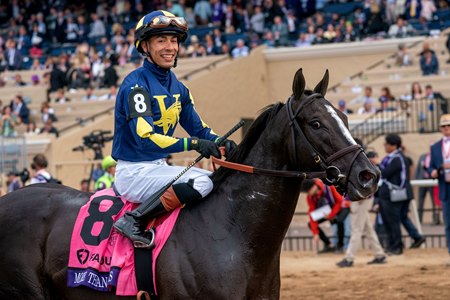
{"type": "Point", "coordinates": [445, 120]}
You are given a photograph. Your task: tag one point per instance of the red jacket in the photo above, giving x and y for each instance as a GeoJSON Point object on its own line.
{"type": "Point", "coordinates": [313, 203]}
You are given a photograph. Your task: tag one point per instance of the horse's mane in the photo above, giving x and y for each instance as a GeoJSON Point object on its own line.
{"type": "Point", "coordinates": [253, 134]}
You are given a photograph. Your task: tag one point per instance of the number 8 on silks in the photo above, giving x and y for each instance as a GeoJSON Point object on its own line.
{"type": "Point", "coordinates": [139, 103]}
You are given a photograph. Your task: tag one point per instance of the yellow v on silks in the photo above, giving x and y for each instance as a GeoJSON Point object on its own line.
{"type": "Point", "coordinates": [169, 119]}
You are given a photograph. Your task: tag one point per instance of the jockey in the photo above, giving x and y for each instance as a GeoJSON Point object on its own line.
{"type": "Point", "coordinates": [150, 103]}
{"type": "Point", "coordinates": [107, 179]}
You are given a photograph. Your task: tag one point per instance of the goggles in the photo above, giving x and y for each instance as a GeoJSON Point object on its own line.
{"type": "Point", "coordinates": [164, 22]}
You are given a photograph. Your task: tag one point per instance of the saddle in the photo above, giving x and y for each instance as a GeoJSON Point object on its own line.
{"type": "Point", "coordinates": [102, 259]}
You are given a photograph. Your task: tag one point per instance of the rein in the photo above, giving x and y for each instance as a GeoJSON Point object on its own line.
{"type": "Point", "coordinates": [331, 174]}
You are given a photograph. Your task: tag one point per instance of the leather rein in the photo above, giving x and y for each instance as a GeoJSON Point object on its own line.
{"type": "Point", "coordinates": [331, 174]}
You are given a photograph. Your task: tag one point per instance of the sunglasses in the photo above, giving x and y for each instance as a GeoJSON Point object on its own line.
{"type": "Point", "coordinates": [164, 21]}
{"type": "Point", "coordinates": [443, 126]}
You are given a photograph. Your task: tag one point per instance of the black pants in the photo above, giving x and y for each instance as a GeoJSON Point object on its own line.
{"type": "Point", "coordinates": [339, 221]}
{"type": "Point", "coordinates": [423, 191]}
{"type": "Point", "coordinates": [391, 215]}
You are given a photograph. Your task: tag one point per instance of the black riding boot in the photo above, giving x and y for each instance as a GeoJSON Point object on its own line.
{"type": "Point", "coordinates": [133, 223]}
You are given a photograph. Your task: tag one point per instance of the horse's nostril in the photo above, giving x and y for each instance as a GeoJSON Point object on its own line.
{"type": "Point", "coordinates": [366, 178]}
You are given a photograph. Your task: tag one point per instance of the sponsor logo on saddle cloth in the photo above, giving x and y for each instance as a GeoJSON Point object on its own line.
{"type": "Point", "coordinates": [101, 258]}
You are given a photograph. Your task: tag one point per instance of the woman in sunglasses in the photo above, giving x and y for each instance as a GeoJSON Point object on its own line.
{"type": "Point", "coordinates": [150, 103]}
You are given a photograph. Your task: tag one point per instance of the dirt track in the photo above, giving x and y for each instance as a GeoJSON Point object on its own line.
{"type": "Point", "coordinates": [417, 274]}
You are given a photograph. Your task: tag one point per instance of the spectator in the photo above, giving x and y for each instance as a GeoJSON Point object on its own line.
{"type": "Point", "coordinates": [111, 95]}
{"type": "Point", "coordinates": [97, 27]}
{"type": "Point", "coordinates": [291, 22]}
{"type": "Point", "coordinates": [49, 128]}
{"type": "Point", "coordinates": [422, 173]}
{"type": "Point", "coordinates": [47, 113]}
{"type": "Point", "coordinates": [23, 42]}
{"type": "Point", "coordinates": [210, 48]}
{"type": "Point", "coordinates": [57, 79]}
{"type": "Point", "coordinates": [13, 57]}
{"type": "Point", "coordinates": [330, 34]}
{"type": "Point", "coordinates": [202, 11]}
{"type": "Point", "coordinates": [402, 57]}
{"type": "Point", "coordinates": [107, 179]}
{"type": "Point", "coordinates": [71, 30]}
{"type": "Point", "coordinates": [413, 9]}
{"type": "Point", "coordinates": [240, 50]}
{"type": "Point", "coordinates": [395, 170]}
{"type": "Point", "coordinates": [89, 96]}
{"type": "Point", "coordinates": [349, 34]}
{"type": "Point", "coordinates": [83, 29]}
{"type": "Point", "coordinates": [174, 7]}
{"type": "Point", "coordinates": [302, 40]}
{"type": "Point", "coordinates": [428, 9]}
{"type": "Point", "coordinates": [385, 99]}
{"type": "Point", "coordinates": [217, 12]}
{"type": "Point", "coordinates": [318, 196]}
{"type": "Point", "coordinates": [440, 169]}
{"type": "Point", "coordinates": [35, 79]}
{"type": "Point", "coordinates": [37, 38]}
{"type": "Point", "coordinates": [8, 122]}
{"type": "Point", "coordinates": [416, 91]}
{"type": "Point", "coordinates": [431, 94]}
{"type": "Point", "coordinates": [110, 78]}
{"type": "Point", "coordinates": [342, 106]}
{"type": "Point", "coordinates": [85, 185]}
{"type": "Point", "coordinates": [39, 165]}
{"type": "Point", "coordinates": [280, 32]}
{"type": "Point", "coordinates": [32, 129]}
{"type": "Point", "coordinates": [367, 107]}
{"type": "Point", "coordinates": [257, 21]}
{"type": "Point", "coordinates": [20, 110]}
{"type": "Point", "coordinates": [360, 224]}
{"type": "Point", "coordinates": [429, 63]}
{"type": "Point", "coordinates": [13, 182]}
{"type": "Point", "coordinates": [18, 81]}
{"type": "Point", "coordinates": [400, 29]}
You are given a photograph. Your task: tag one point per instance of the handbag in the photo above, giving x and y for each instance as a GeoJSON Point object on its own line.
{"type": "Point", "coordinates": [396, 193]}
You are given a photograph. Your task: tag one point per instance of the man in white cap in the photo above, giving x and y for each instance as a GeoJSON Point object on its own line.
{"type": "Point", "coordinates": [440, 169]}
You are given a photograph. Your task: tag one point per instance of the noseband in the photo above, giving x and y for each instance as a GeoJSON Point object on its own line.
{"type": "Point", "coordinates": [333, 175]}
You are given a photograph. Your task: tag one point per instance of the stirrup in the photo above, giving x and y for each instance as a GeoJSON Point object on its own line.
{"type": "Point", "coordinates": [151, 245]}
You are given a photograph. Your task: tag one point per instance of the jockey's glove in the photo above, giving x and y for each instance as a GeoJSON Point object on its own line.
{"type": "Point", "coordinates": [229, 146]}
{"type": "Point", "coordinates": [205, 147]}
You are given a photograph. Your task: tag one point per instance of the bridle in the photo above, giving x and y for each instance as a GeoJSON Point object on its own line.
{"type": "Point", "coordinates": [330, 174]}
{"type": "Point", "coordinates": [333, 176]}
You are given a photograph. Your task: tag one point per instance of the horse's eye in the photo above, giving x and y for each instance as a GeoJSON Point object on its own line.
{"type": "Point", "coordinates": [315, 124]}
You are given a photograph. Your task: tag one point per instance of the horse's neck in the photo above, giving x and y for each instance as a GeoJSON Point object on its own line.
{"type": "Point", "coordinates": [260, 207]}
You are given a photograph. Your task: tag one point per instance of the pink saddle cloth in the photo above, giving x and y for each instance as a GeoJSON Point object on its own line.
{"type": "Point", "coordinates": [101, 258]}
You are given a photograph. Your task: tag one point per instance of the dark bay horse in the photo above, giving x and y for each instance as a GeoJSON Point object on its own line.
{"type": "Point", "coordinates": [227, 247]}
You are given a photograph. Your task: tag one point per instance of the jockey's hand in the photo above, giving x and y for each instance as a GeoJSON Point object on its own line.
{"type": "Point", "coordinates": [229, 146]}
{"type": "Point", "coordinates": [205, 147]}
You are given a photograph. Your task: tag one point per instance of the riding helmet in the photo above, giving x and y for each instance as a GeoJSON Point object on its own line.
{"type": "Point", "coordinates": [144, 30]}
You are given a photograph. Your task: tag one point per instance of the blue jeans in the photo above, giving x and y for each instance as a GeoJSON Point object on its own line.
{"type": "Point", "coordinates": [446, 214]}
{"type": "Point", "coordinates": [409, 226]}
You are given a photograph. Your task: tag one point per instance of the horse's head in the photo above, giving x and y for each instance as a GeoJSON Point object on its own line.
{"type": "Point", "coordinates": [323, 130]}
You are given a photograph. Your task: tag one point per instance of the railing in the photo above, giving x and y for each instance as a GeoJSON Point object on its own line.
{"type": "Point", "coordinates": [13, 155]}
{"type": "Point", "coordinates": [420, 116]}
{"type": "Point", "coordinates": [306, 243]}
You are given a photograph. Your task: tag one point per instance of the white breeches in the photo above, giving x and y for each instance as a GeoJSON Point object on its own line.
{"type": "Point", "coordinates": [137, 181]}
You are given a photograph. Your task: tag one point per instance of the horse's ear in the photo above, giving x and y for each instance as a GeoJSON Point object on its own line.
{"type": "Point", "coordinates": [322, 86]}
{"type": "Point", "coordinates": [298, 85]}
